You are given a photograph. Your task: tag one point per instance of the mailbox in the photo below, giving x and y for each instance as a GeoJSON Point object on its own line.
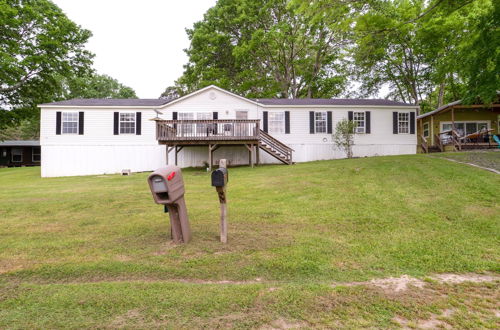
{"type": "Point", "coordinates": [167, 188]}
{"type": "Point", "coordinates": [166, 184]}
{"type": "Point", "coordinates": [220, 177]}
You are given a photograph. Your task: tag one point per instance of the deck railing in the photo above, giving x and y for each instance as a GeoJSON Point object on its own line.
{"type": "Point", "coordinates": [207, 130]}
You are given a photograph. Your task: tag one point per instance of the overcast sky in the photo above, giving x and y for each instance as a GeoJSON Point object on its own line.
{"type": "Point", "coordinates": [138, 42]}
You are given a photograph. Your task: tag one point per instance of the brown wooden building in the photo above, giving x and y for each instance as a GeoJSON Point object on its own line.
{"type": "Point", "coordinates": [20, 153]}
{"type": "Point", "coordinates": [456, 126]}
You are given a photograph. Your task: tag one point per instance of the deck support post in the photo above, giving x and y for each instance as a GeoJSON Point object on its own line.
{"type": "Point", "coordinates": [168, 152]}
{"type": "Point", "coordinates": [250, 148]}
{"type": "Point", "coordinates": [257, 154]}
{"type": "Point", "coordinates": [452, 118]}
{"type": "Point", "coordinates": [432, 131]}
{"type": "Point", "coordinates": [211, 149]}
{"type": "Point", "coordinates": [177, 150]}
{"type": "Point", "coordinates": [209, 157]}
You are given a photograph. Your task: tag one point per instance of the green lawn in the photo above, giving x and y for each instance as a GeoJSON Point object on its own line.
{"type": "Point", "coordinates": [94, 251]}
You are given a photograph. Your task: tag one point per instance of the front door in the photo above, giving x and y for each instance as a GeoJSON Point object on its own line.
{"type": "Point", "coordinates": [241, 129]}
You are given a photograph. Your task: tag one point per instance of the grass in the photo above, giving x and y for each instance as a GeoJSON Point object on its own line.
{"type": "Point", "coordinates": [94, 251]}
{"type": "Point", "coordinates": [489, 159]}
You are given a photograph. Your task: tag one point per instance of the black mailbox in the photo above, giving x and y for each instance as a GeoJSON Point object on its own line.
{"type": "Point", "coordinates": [220, 177]}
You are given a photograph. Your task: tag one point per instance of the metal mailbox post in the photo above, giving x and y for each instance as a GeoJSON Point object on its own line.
{"type": "Point", "coordinates": [167, 187]}
{"type": "Point", "coordinates": [219, 181]}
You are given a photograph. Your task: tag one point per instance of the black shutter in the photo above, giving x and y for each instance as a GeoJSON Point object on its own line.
{"type": "Point", "coordinates": [394, 122]}
{"type": "Point", "coordinates": [350, 116]}
{"type": "Point", "coordinates": [311, 122]}
{"type": "Point", "coordinates": [287, 122]}
{"type": "Point", "coordinates": [412, 122]}
{"type": "Point", "coordinates": [174, 117]}
{"type": "Point", "coordinates": [80, 123]}
{"type": "Point", "coordinates": [329, 122]}
{"type": "Point", "coordinates": [368, 123]}
{"type": "Point", "coordinates": [264, 125]}
{"type": "Point", "coordinates": [215, 116]}
{"type": "Point", "coordinates": [138, 123]}
{"type": "Point", "coordinates": [58, 122]}
{"type": "Point", "coordinates": [116, 119]}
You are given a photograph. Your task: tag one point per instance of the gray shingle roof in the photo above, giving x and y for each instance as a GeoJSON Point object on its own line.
{"type": "Point", "coordinates": [19, 143]}
{"type": "Point", "coordinates": [111, 102]}
{"type": "Point", "coordinates": [346, 102]}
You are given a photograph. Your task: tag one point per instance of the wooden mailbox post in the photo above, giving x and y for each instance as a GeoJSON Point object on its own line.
{"type": "Point", "coordinates": [167, 187]}
{"type": "Point", "coordinates": [219, 181]}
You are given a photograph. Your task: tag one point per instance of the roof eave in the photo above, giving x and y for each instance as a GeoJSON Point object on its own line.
{"type": "Point", "coordinates": [337, 106]}
{"type": "Point", "coordinates": [99, 106]}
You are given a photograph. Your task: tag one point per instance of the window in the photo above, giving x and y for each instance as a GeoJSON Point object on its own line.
{"type": "Point", "coordinates": [17, 155]}
{"type": "Point", "coordinates": [127, 123]}
{"type": "Point", "coordinates": [186, 129]}
{"type": "Point", "coordinates": [320, 122]}
{"type": "Point", "coordinates": [403, 122]}
{"type": "Point", "coordinates": [359, 119]}
{"type": "Point", "coordinates": [36, 154]}
{"type": "Point", "coordinates": [276, 122]}
{"type": "Point", "coordinates": [70, 122]}
{"type": "Point", "coordinates": [426, 130]}
{"type": "Point", "coordinates": [203, 128]}
{"type": "Point", "coordinates": [465, 127]}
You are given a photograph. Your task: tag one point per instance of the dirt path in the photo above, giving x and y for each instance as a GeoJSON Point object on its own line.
{"type": "Point", "coordinates": [470, 164]}
{"type": "Point", "coordinates": [400, 284]}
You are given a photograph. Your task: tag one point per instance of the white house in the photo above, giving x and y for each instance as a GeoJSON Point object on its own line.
{"type": "Point", "coordinates": [97, 136]}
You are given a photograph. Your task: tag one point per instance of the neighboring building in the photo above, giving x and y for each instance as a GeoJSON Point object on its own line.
{"type": "Point", "coordinates": [19, 153]}
{"type": "Point", "coordinates": [456, 126]}
{"type": "Point", "coordinates": [92, 136]}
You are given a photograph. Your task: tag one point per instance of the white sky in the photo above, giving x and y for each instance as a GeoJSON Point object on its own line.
{"type": "Point", "coordinates": [138, 42]}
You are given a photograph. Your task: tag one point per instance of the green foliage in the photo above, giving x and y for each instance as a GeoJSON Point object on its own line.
{"type": "Point", "coordinates": [427, 52]}
{"type": "Point", "coordinates": [25, 130]}
{"type": "Point", "coordinates": [343, 138]}
{"type": "Point", "coordinates": [43, 59]}
{"type": "Point", "coordinates": [38, 44]}
{"type": "Point", "coordinates": [171, 93]}
{"type": "Point", "coordinates": [481, 57]}
{"type": "Point", "coordinates": [264, 48]}
{"type": "Point", "coordinates": [95, 86]}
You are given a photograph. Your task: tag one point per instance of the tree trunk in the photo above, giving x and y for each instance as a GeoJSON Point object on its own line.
{"type": "Point", "coordinates": [441, 95]}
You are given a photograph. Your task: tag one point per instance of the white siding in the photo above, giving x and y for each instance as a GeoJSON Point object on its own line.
{"type": "Point", "coordinates": [100, 151]}
{"type": "Point", "coordinates": [69, 160]}
{"type": "Point", "coordinates": [212, 100]}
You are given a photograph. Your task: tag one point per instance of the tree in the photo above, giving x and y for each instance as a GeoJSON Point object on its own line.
{"type": "Point", "coordinates": [264, 48]}
{"type": "Point", "coordinates": [95, 86]}
{"type": "Point", "coordinates": [24, 130]}
{"type": "Point", "coordinates": [343, 137]}
{"type": "Point", "coordinates": [171, 93]}
{"type": "Point", "coordinates": [481, 54]}
{"type": "Point", "coordinates": [39, 44]}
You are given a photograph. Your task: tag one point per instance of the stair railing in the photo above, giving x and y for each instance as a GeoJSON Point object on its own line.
{"type": "Point", "coordinates": [423, 144]}
{"type": "Point", "coordinates": [276, 145]}
{"type": "Point", "coordinates": [439, 142]}
{"type": "Point", "coordinates": [455, 138]}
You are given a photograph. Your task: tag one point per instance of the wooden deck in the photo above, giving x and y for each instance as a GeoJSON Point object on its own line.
{"type": "Point", "coordinates": [458, 143]}
{"type": "Point", "coordinates": [177, 134]}
{"type": "Point", "coordinates": [203, 131]}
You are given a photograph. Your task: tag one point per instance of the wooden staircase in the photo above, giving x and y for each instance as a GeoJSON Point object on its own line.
{"type": "Point", "coordinates": [275, 148]}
